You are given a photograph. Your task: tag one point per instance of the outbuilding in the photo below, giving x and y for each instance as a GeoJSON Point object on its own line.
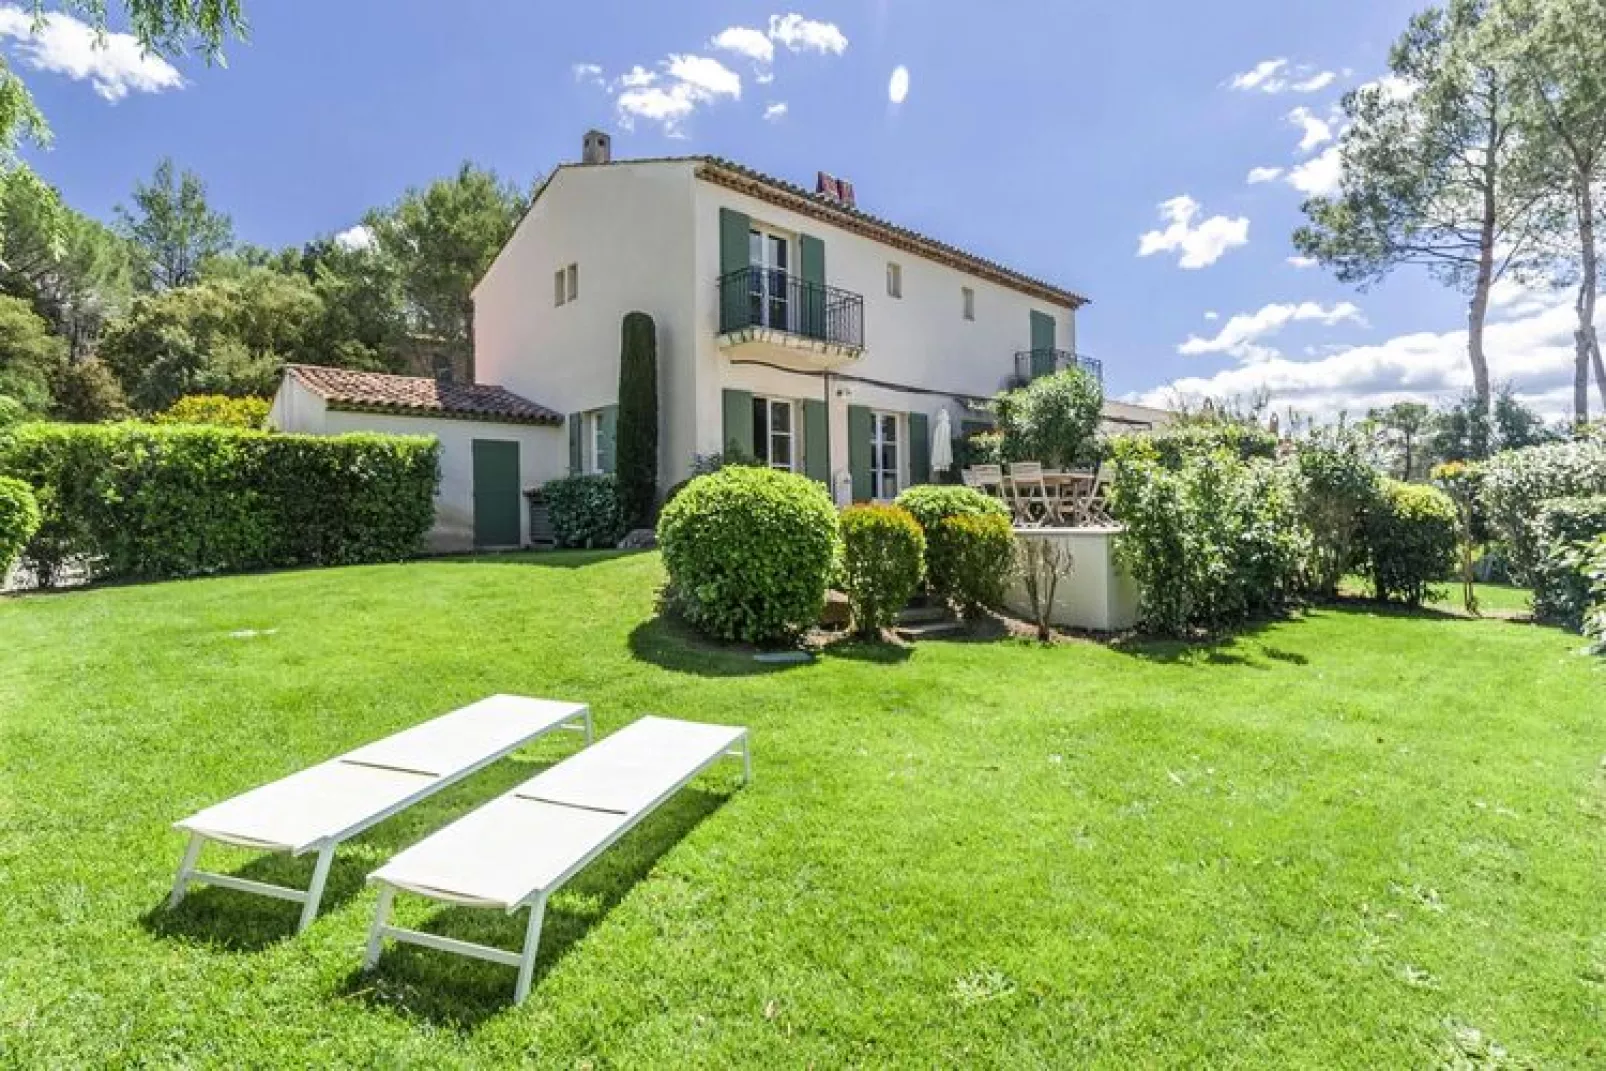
{"type": "Point", "coordinates": [494, 443]}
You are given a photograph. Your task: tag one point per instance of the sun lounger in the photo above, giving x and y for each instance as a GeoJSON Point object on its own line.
{"type": "Point", "coordinates": [319, 807]}
{"type": "Point", "coordinates": [514, 851]}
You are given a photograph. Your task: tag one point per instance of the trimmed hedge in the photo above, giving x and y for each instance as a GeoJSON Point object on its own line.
{"type": "Point", "coordinates": [585, 511]}
{"type": "Point", "coordinates": [1590, 560]}
{"type": "Point", "coordinates": [19, 520]}
{"type": "Point", "coordinates": [1563, 527]}
{"type": "Point", "coordinates": [931, 505]}
{"type": "Point", "coordinates": [748, 551]}
{"type": "Point", "coordinates": [882, 560]}
{"type": "Point", "coordinates": [1408, 537]}
{"type": "Point", "coordinates": [145, 502]}
{"type": "Point", "coordinates": [975, 555]}
{"type": "Point", "coordinates": [1517, 482]}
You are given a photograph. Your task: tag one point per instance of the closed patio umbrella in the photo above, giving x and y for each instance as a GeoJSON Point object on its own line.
{"type": "Point", "coordinates": [942, 443]}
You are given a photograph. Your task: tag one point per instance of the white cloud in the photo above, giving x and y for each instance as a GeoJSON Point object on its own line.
{"type": "Point", "coordinates": [687, 83]}
{"type": "Point", "coordinates": [1319, 176]}
{"type": "Point", "coordinates": [355, 238]}
{"type": "Point", "coordinates": [113, 63]}
{"type": "Point", "coordinates": [745, 41]}
{"type": "Point", "coordinates": [1264, 174]}
{"type": "Point", "coordinates": [1533, 351]}
{"type": "Point", "coordinates": [1316, 131]}
{"type": "Point", "coordinates": [1279, 76]}
{"type": "Point", "coordinates": [898, 85]}
{"type": "Point", "coordinates": [1241, 336]}
{"type": "Point", "coordinates": [1263, 76]}
{"type": "Point", "coordinates": [705, 75]}
{"type": "Point", "coordinates": [798, 34]}
{"type": "Point", "coordinates": [1316, 82]}
{"type": "Point", "coordinates": [1212, 314]}
{"type": "Point", "coordinates": [587, 72]}
{"type": "Point", "coordinates": [1200, 245]}
{"type": "Point", "coordinates": [775, 112]}
{"type": "Point", "coordinates": [1302, 262]}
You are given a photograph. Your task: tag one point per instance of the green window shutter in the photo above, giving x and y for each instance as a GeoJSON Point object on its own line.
{"type": "Point", "coordinates": [919, 448]}
{"type": "Point", "coordinates": [576, 420]}
{"type": "Point", "coordinates": [733, 228]}
{"type": "Point", "coordinates": [1042, 344]}
{"type": "Point", "coordinates": [816, 442]}
{"type": "Point", "coordinates": [811, 268]}
{"type": "Point", "coordinates": [738, 422]}
{"type": "Point", "coordinates": [859, 451]}
{"type": "Point", "coordinates": [609, 435]}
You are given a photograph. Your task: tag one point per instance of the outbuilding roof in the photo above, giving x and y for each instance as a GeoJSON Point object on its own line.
{"type": "Point", "coordinates": [376, 392]}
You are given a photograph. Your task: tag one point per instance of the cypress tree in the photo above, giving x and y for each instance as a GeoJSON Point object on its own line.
{"type": "Point", "coordinates": [636, 459]}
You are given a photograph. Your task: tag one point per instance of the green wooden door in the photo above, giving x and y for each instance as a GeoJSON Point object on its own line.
{"type": "Point", "coordinates": [1042, 344]}
{"type": "Point", "coordinates": [496, 493]}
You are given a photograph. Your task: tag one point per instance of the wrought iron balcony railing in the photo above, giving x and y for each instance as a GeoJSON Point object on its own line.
{"type": "Point", "coordinates": [1030, 364]}
{"type": "Point", "coordinates": [760, 298]}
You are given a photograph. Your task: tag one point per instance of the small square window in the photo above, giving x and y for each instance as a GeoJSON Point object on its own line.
{"type": "Point", "coordinates": [573, 279]}
{"type": "Point", "coordinates": [894, 280]}
{"type": "Point", "coordinates": [557, 287]}
{"type": "Point", "coordinates": [968, 299]}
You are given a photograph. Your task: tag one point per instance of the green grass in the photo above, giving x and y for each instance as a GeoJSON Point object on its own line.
{"type": "Point", "coordinates": [1359, 839]}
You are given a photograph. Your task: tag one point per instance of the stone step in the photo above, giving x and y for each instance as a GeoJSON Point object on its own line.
{"type": "Point", "coordinates": [923, 615]}
{"type": "Point", "coordinates": [929, 631]}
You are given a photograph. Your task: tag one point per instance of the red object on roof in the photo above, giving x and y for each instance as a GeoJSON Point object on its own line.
{"type": "Point", "coordinates": [826, 184]}
{"type": "Point", "coordinates": [376, 392]}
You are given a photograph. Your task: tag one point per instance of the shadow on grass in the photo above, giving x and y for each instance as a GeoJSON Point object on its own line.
{"type": "Point", "coordinates": [884, 654]}
{"type": "Point", "coordinates": [231, 921]}
{"type": "Point", "coordinates": [1244, 647]}
{"type": "Point", "coordinates": [543, 559]}
{"type": "Point", "coordinates": [460, 993]}
{"type": "Point", "coordinates": [671, 644]}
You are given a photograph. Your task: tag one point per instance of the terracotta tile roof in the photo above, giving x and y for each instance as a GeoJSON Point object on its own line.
{"type": "Point", "coordinates": [376, 392]}
{"type": "Point", "coordinates": [737, 176]}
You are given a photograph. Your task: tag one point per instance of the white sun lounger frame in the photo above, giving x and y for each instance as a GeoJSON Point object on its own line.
{"type": "Point", "coordinates": [738, 746]}
{"type": "Point", "coordinates": [576, 719]}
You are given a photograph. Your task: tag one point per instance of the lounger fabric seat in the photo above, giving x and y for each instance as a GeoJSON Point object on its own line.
{"type": "Point", "coordinates": [319, 807]}
{"type": "Point", "coordinates": [518, 848]}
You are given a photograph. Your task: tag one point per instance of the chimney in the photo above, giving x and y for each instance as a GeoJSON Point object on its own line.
{"type": "Point", "coordinates": [832, 188]}
{"type": "Point", "coordinates": [597, 148]}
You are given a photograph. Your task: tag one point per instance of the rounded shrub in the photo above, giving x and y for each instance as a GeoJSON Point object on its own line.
{"type": "Point", "coordinates": [19, 520]}
{"type": "Point", "coordinates": [1408, 537]}
{"type": "Point", "coordinates": [584, 510]}
{"type": "Point", "coordinates": [975, 555]}
{"type": "Point", "coordinates": [883, 558]}
{"type": "Point", "coordinates": [748, 552]}
{"type": "Point", "coordinates": [930, 505]}
{"type": "Point", "coordinates": [1564, 526]}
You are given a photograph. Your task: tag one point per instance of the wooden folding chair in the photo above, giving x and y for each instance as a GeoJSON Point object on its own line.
{"type": "Point", "coordinates": [1034, 505]}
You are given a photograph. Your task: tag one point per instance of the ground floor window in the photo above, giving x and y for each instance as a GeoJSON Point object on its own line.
{"type": "Point", "coordinates": [596, 442]}
{"type": "Point", "coordinates": [775, 435]}
{"type": "Point", "coordinates": [884, 459]}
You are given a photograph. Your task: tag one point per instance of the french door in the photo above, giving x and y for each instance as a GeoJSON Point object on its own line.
{"type": "Point", "coordinates": [883, 456]}
{"type": "Point", "coordinates": [769, 296]}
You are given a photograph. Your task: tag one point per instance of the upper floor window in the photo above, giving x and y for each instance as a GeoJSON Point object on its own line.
{"type": "Point", "coordinates": [894, 280]}
{"type": "Point", "coordinates": [967, 298]}
{"type": "Point", "coordinates": [566, 284]}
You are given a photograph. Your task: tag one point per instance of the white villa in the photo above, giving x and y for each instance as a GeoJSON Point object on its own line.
{"type": "Point", "coordinates": [792, 326]}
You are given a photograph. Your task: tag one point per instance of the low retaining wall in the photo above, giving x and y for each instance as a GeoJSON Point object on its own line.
{"type": "Point", "coordinates": [1097, 595]}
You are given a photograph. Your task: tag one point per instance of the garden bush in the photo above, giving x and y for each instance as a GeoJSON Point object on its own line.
{"type": "Point", "coordinates": [1564, 526]}
{"type": "Point", "coordinates": [748, 551]}
{"type": "Point", "coordinates": [138, 501]}
{"type": "Point", "coordinates": [1173, 443]}
{"type": "Point", "coordinates": [585, 511]}
{"type": "Point", "coordinates": [1337, 485]}
{"type": "Point", "coordinates": [19, 520]}
{"type": "Point", "coordinates": [883, 556]}
{"type": "Point", "coordinates": [1408, 537]}
{"type": "Point", "coordinates": [1054, 419]}
{"type": "Point", "coordinates": [1516, 482]}
{"type": "Point", "coordinates": [974, 553]}
{"type": "Point", "coordinates": [1212, 542]}
{"type": "Point", "coordinates": [930, 505]}
{"type": "Point", "coordinates": [218, 409]}
{"type": "Point", "coordinates": [1590, 561]}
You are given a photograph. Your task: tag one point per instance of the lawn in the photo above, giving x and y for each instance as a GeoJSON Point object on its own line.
{"type": "Point", "coordinates": [1358, 839]}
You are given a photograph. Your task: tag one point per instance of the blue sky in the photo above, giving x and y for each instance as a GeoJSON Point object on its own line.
{"type": "Point", "coordinates": [1052, 136]}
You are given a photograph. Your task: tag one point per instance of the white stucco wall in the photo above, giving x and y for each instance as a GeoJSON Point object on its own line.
{"type": "Point", "coordinates": [920, 340]}
{"type": "Point", "coordinates": [1097, 595]}
{"type": "Point", "coordinates": [629, 228]}
{"type": "Point", "coordinates": [297, 409]}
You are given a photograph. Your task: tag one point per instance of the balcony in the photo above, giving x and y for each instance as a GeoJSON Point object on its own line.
{"type": "Point", "coordinates": [777, 316]}
{"type": "Point", "coordinates": [1031, 364]}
